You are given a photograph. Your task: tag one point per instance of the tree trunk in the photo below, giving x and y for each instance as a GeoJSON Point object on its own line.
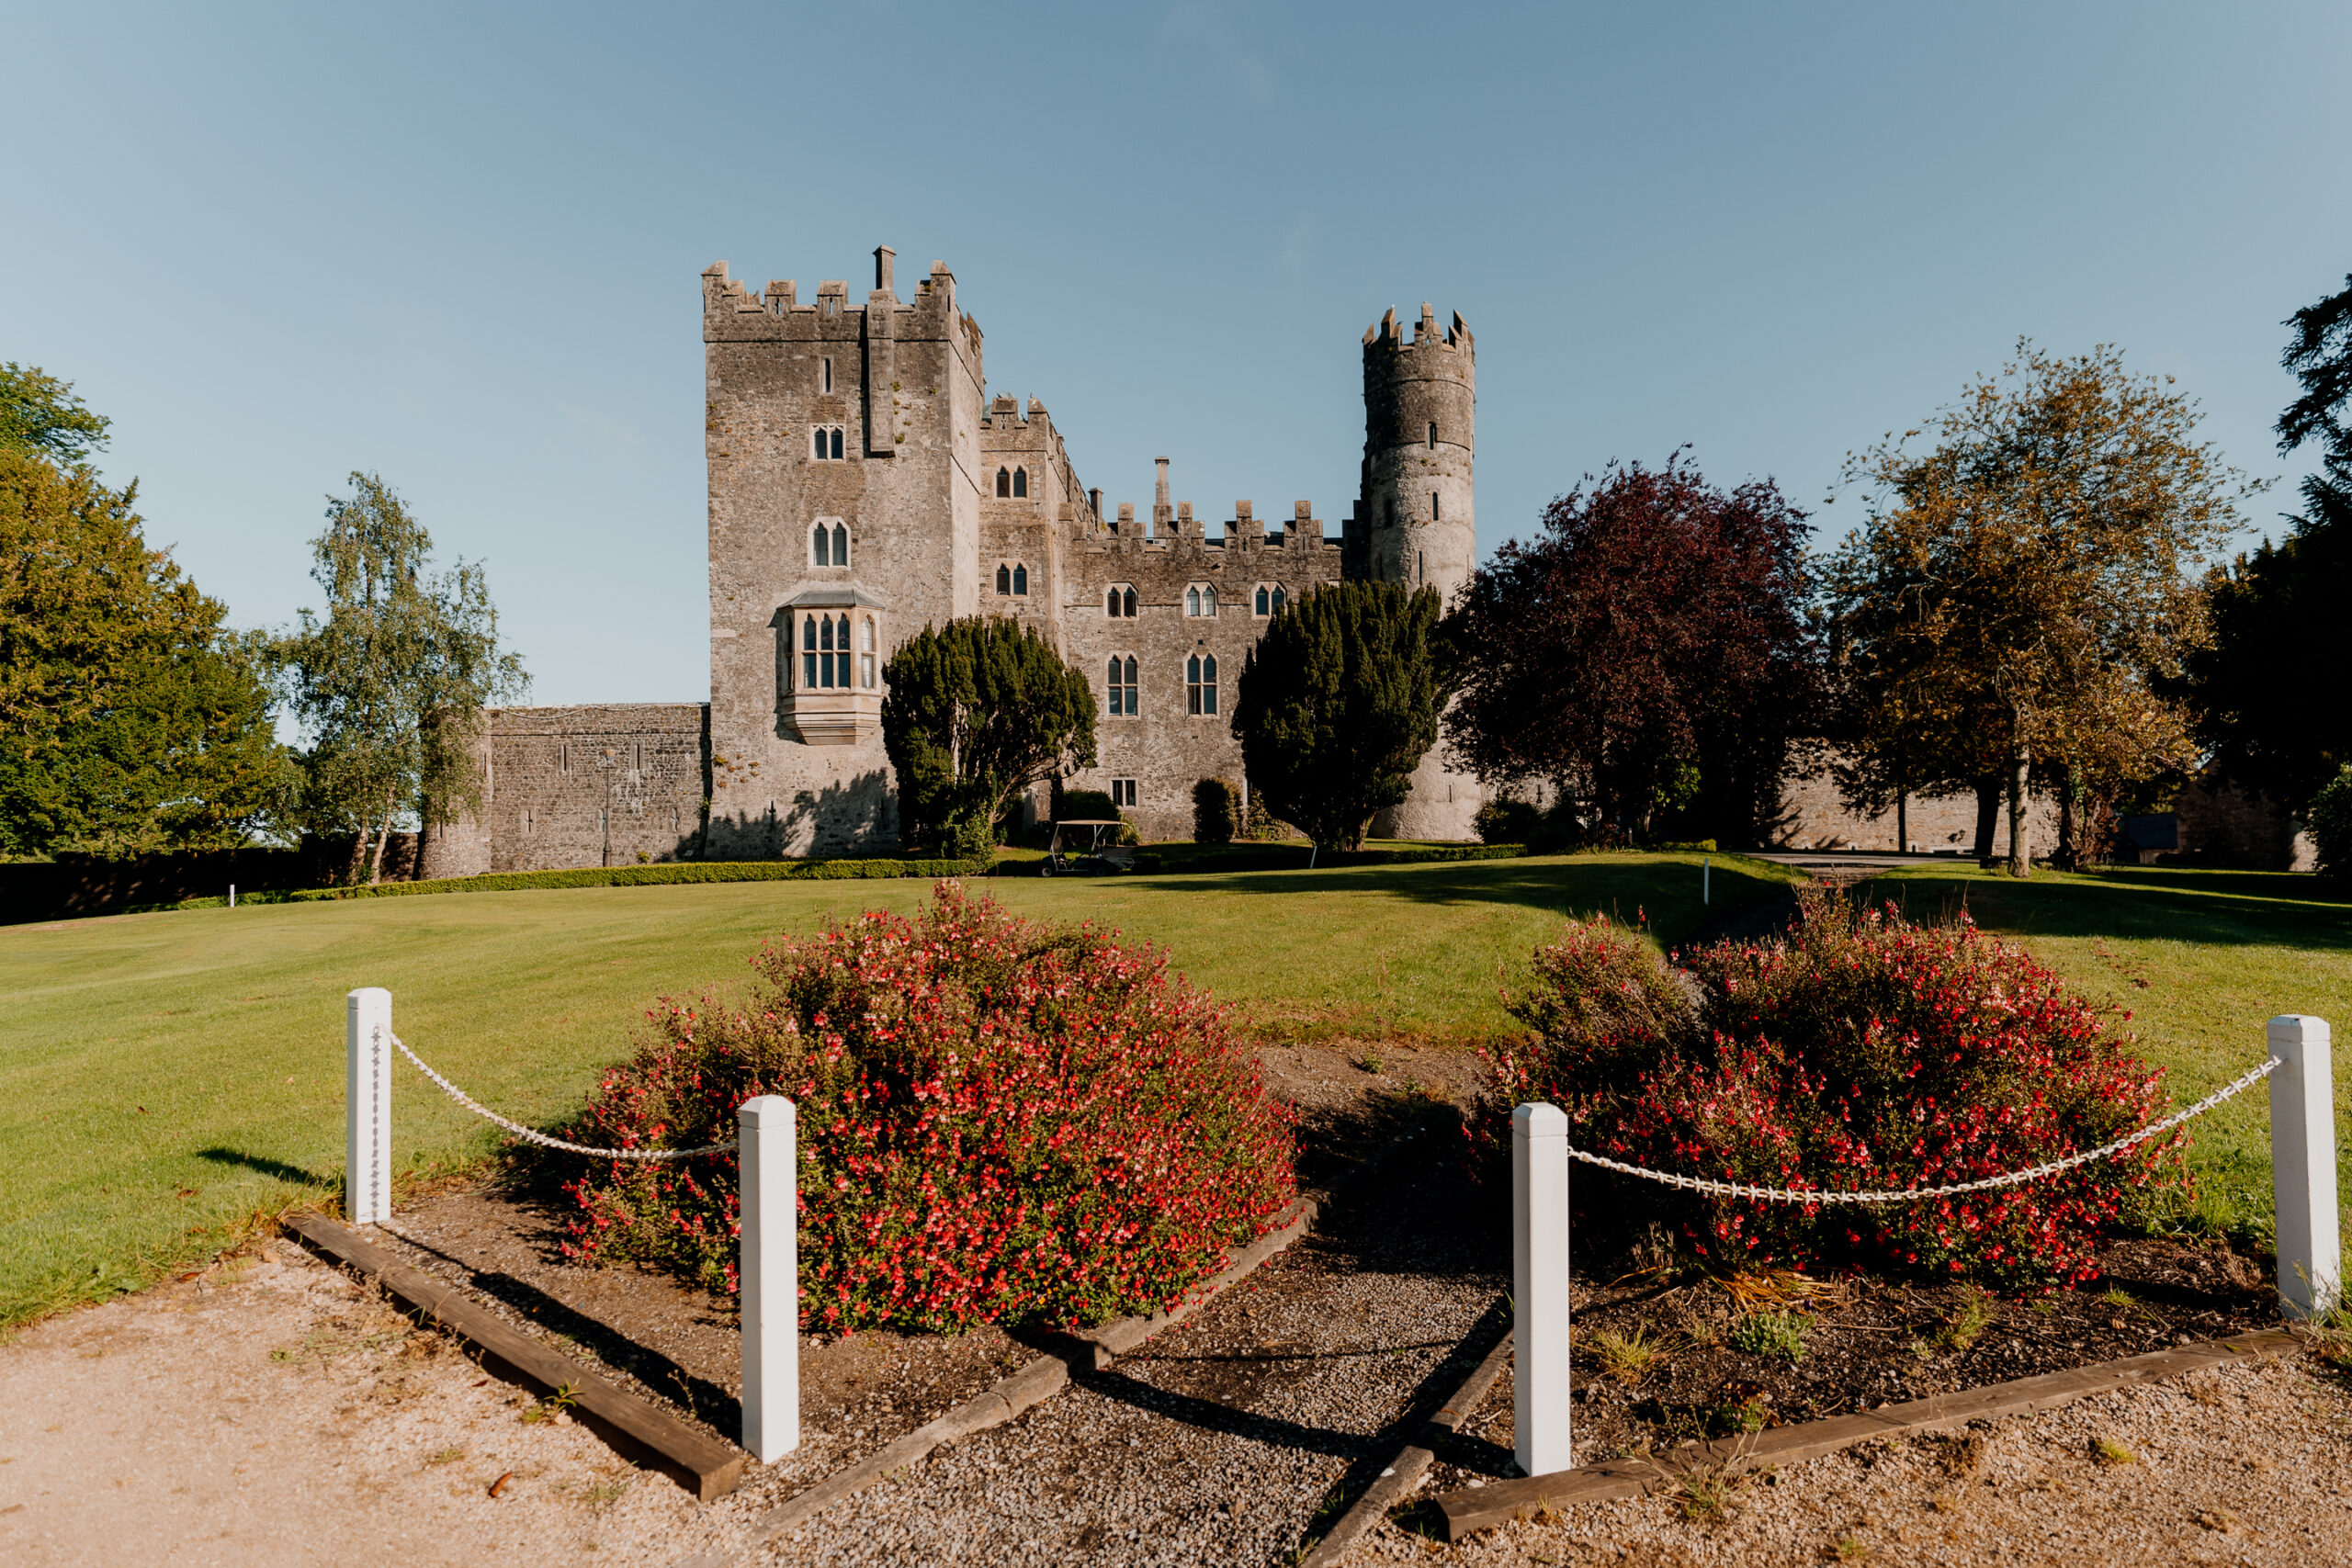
{"type": "Point", "coordinates": [383, 836]}
{"type": "Point", "coordinates": [1988, 816]}
{"type": "Point", "coordinates": [358, 855]}
{"type": "Point", "coordinates": [1902, 820]}
{"type": "Point", "coordinates": [2065, 859]}
{"type": "Point", "coordinates": [2020, 862]}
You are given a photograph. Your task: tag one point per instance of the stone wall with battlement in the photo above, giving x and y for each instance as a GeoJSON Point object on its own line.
{"type": "Point", "coordinates": [612, 783]}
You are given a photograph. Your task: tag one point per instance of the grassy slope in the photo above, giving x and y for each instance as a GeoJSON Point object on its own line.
{"type": "Point", "coordinates": [226, 1026]}
{"type": "Point", "coordinates": [2221, 951]}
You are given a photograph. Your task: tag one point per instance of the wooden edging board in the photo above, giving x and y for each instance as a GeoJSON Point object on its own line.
{"type": "Point", "coordinates": [638, 1427]}
{"type": "Point", "coordinates": [1484, 1508]}
{"type": "Point", "coordinates": [1089, 1350]}
{"type": "Point", "coordinates": [1404, 1473]}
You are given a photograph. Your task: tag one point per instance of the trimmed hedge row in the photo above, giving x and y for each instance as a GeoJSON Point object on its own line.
{"type": "Point", "coordinates": [1179, 858]}
{"type": "Point", "coordinates": [658, 874]}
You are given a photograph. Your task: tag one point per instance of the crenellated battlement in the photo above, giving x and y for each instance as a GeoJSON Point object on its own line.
{"type": "Point", "coordinates": [1386, 337]}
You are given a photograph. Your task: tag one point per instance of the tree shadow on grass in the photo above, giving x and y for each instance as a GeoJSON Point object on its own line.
{"type": "Point", "coordinates": [2213, 909]}
{"type": "Point", "coordinates": [264, 1165]}
{"type": "Point", "coordinates": [1564, 885]}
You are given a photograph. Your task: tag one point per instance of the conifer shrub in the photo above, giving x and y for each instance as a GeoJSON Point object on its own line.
{"type": "Point", "coordinates": [1217, 811]}
{"type": "Point", "coordinates": [1862, 1052]}
{"type": "Point", "coordinates": [998, 1122]}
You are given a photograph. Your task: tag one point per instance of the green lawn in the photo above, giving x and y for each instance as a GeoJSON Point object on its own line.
{"type": "Point", "coordinates": [2201, 958]}
{"type": "Point", "coordinates": [143, 1055]}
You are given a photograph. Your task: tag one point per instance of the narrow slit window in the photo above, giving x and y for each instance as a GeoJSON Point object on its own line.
{"type": "Point", "coordinates": [1432, 437]}
{"type": "Point", "coordinates": [827, 377]}
{"type": "Point", "coordinates": [1432, 506]}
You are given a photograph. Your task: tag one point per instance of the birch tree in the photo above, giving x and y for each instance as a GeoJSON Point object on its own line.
{"type": "Point", "coordinates": [388, 684]}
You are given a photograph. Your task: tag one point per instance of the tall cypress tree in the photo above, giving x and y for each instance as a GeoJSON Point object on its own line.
{"type": "Point", "coordinates": [1337, 704]}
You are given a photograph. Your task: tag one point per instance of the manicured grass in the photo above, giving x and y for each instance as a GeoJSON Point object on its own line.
{"type": "Point", "coordinates": [142, 1056]}
{"type": "Point", "coordinates": [2202, 959]}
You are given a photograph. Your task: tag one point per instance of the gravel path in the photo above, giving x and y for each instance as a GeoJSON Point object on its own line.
{"type": "Point", "coordinates": [1221, 1441]}
{"type": "Point", "coordinates": [2244, 1464]}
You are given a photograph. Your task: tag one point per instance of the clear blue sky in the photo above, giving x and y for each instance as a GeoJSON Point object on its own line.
{"type": "Point", "coordinates": [459, 245]}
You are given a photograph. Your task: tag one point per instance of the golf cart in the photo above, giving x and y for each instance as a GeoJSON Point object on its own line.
{"type": "Point", "coordinates": [1102, 851]}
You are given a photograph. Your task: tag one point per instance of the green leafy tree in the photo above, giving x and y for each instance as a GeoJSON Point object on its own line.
{"type": "Point", "coordinates": [2024, 590]}
{"type": "Point", "coordinates": [977, 713]}
{"type": "Point", "coordinates": [389, 683]}
{"type": "Point", "coordinates": [39, 414]}
{"type": "Point", "coordinates": [1337, 705]}
{"type": "Point", "coordinates": [2270, 690]}
{"type": "Point", "coordinates": [130, 719]}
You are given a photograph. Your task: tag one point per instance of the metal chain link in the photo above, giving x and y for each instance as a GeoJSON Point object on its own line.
{"type": "Point", "coordinates": [1788, 1195]}
{"type": "Point", "coordinates": [533, 1136]}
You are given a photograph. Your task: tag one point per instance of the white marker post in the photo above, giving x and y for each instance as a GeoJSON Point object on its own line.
{"type": "Point", "coordinates": [1539, 1229]}
{"type": "Point", "coordinates": [1707, 880]}
{"type": "Point", "coordinates": [768, 1275]}
{"type": "Point", "coordinates": [2302, 1166]}
{"type": "Point", "coordinates": [368, 1106]}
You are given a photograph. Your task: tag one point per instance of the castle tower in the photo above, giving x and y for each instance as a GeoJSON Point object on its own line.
{"type": "Point", "coordinates": [1418, 513]}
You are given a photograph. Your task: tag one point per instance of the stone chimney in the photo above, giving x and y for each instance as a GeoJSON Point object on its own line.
{"type": "Point", "coordinates": [1161, 512]}
{"type": "Point", "coordinates": [883, 256]}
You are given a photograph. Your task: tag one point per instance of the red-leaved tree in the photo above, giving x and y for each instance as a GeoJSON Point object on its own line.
{"type": "Point", "coordinates": [1648, 655]}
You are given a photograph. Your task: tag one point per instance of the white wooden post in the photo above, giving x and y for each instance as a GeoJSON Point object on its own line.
{"type": "Point", "coordinates": [2302, 1166]}
{"type": "Point", "coordinates": [1539, 1229]}
{"type": "Point", "coordinates": [768, 1275]}
{"type": "Point", "coordinates": [368, 1106]}
{"type": "Point", "coordinates": [1707, 880]}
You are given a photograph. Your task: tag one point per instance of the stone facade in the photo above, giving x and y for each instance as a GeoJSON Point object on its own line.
{"type": "Point", "coordinates": [863, 485]}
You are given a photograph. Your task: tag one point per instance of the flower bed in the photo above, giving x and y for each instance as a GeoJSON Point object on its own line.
{"type": "Point", "coordinates": [1862, 1053]}
{"type": "Point", "coordinates": [998, 1122]}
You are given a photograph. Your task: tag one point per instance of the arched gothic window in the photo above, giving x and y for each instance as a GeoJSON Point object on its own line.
{"type": "Point", "coordinates": [1280, 600]}
{"type": "Point", "coordinates": [1020, 579]}
{"type": "Point", "coordinates": [828, 546]}
{"type": "Point", "coordinates": [1192, 601]}
{"type": "Point", "coordinates": [1003, 578]}
{"type": "Point", "coordinates": [1111, 602]}
{"type": "Point", "coordinates": [1200, 683]}
{"type": "Point", "coordinates": [1208, 600]}
{"type": "Point", "coordinates": [1119, 687]}
{"type": "Point", "coordinates": [1003, 482]}
{"type": "Point", "coordinates": [1020, 483]}
{"type": "Point", "coordinates": [1265, 600]}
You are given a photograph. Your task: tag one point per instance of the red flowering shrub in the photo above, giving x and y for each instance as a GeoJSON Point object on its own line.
{"type": "Point", "coordinates": [995, 1121]}
{"type": "Point", "coordinates": [1862, 1053]}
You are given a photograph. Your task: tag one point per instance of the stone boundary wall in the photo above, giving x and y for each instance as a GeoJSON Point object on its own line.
{"type": "Point", "coordinates": [607, 783]}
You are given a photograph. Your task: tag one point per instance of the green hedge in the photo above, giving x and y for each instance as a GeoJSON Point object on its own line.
{"type": "Point", "coordinates": [1175, 858]}
{"type": "Point", "coordinates": [661, 874]}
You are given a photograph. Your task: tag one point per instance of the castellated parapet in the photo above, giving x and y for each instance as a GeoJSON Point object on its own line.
{"type": "Point", "coordinates": [864, 484]}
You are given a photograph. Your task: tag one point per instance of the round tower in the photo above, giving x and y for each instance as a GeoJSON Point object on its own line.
{"type": "Point", "coordinates": [1418, 514]}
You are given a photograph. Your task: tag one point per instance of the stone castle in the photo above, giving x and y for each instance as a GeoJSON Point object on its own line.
{"type": "Point", "coordinates": [864, 484]}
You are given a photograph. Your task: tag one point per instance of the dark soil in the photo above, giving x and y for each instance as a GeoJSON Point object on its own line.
{"type": "Point", "coordinates": [1712, 1370]}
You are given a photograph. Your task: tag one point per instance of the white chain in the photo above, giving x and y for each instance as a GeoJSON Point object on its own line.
{"type": "Point", "coordinates": [530, 1135]}
{"type": "Point", "coordinates": [1788, 1195]}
